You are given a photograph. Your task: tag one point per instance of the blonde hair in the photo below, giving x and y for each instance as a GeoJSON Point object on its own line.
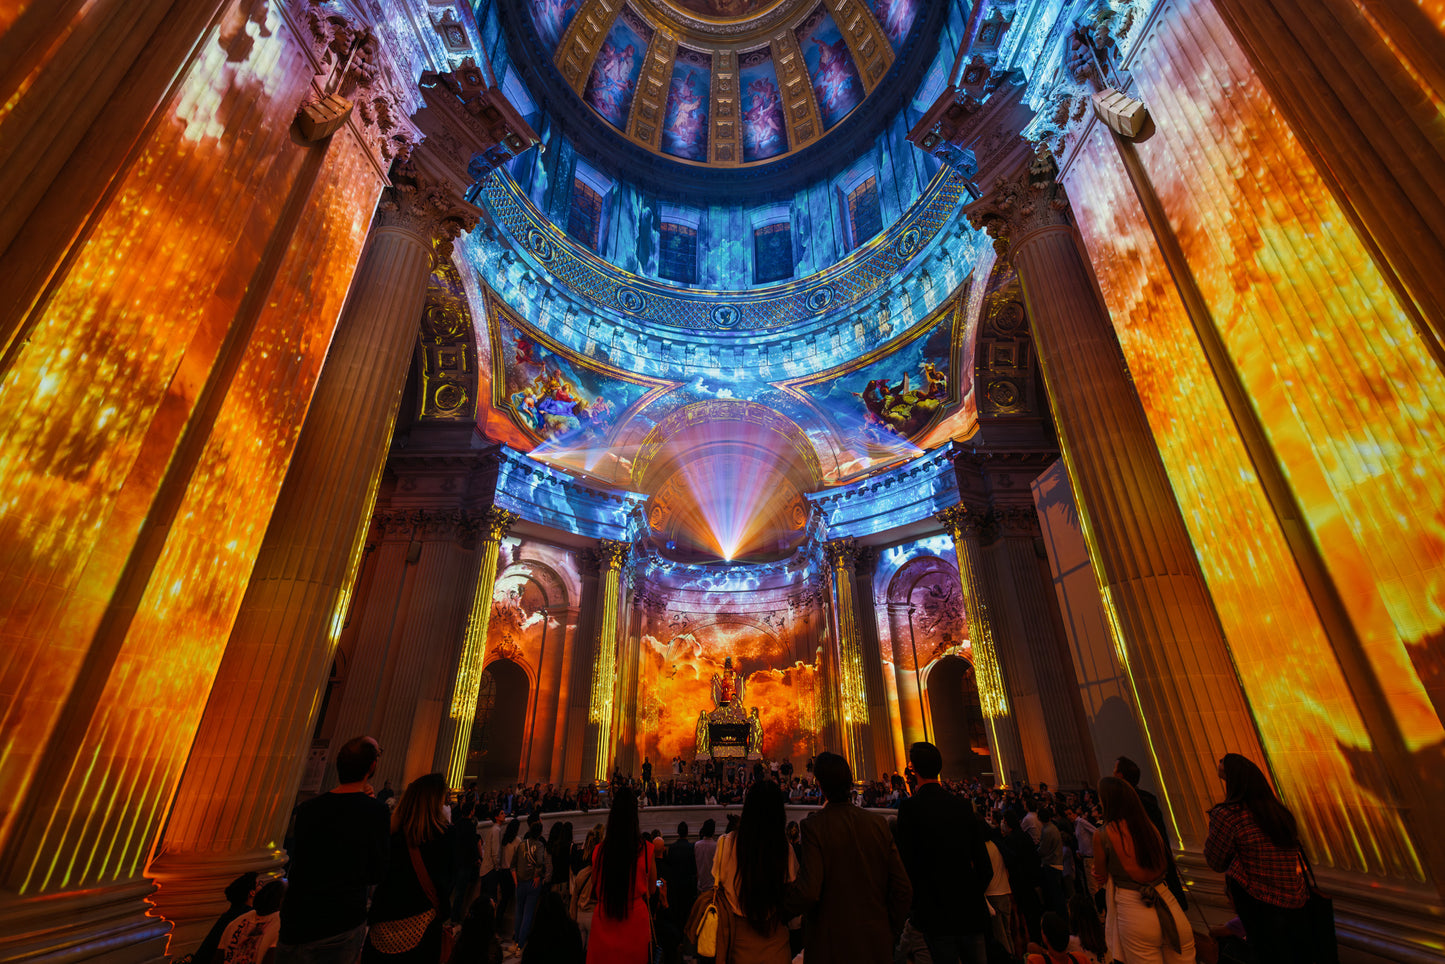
{"type": "Point", "coordinates": [418, 816]}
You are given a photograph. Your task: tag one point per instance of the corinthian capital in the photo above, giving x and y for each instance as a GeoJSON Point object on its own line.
{"type": "Point", "coordinates": [426, 207]}
{"type": "Point", "coordinates": [493, 523]}
{"type": "Point", "coordinates": [1021, 204]}
{"type": "Point", "coordinates": [842, 553]}
{"type": "Point", "coordinates": [961, 521]}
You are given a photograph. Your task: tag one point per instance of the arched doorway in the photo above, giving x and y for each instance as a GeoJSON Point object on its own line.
{"type": "Point", "coordinates": [495, 756]}
{"type": "Point", "coordinates": [955, 718]}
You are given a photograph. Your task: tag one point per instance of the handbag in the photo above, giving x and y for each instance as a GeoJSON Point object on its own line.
{"type": "Point", "coordinates": [400, 936]}
{"type": "Point", "coordinates": [701, 926]}
{"type": "Point", "coordinates": [1323, 946]}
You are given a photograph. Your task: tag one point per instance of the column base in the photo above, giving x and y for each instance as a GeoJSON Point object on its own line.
{"type": "Point", "coordinates": [1376, 920]}
{"type": "Point", "coordinates": [107, 924]}
{"type": "Point", "coordinates": [190, 890]}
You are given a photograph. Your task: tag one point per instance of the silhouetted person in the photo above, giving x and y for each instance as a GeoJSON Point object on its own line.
{"type": "Point", "coordinates": [340, 849]}
{"type": "Point", "coordinates": [947, 862]}
{"type": "Point", "coordinates": [851, 889]}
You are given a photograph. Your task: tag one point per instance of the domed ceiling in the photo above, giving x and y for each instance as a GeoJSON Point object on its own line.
{"type": "Point", "coordinates": [702, 95]}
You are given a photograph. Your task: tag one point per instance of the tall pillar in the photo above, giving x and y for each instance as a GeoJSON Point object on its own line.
{"type": "Point", "coordinates": [230, 812]}
{"type": "Point", "coordinates": [629, 747]}
{"type": "Point", "coordinates": [572, 720]}
{"type": "Point", "coordinates": [908, 681]}
{"type": "Point", "coordinates": [998, 714]}
{"type": "Point", "coordinates": [871, 649]}
{"type": "Point", "coordinates": [1053, 680]}
{"type": "Point", "coordinates": [611, 556]}
{"type": "Point", "coordinates": [852, 681]}
{"type": "Point", "coordinates": [1161, 614]}
{"type": "Point", "coordinates": [463, 709]}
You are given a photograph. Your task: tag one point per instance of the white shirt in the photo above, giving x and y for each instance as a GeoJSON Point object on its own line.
{"type": "Point", "coordinates": [1030, 825]}
{"type": "Point", "coordinates": [249, 938]}
{"type": "Point", "coordinates": [999, 885]}
{"type": "Point", "coordinates": [491, 849]}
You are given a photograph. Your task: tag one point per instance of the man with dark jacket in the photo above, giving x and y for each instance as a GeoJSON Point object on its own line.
{"type": "Point", "coordinates": [851, 889]}
{"type": "Point", "coordinates": [342, 842]}
{"type": "Point", "coordinates": [947, 862]}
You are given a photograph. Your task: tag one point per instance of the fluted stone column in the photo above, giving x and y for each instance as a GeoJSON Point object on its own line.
{"type": "Point", "coordinates": [611, 557]}
{"type": "Point", "coordinates": [871, 649]}
{"type": "Point", "coordinates": [907, 682]}
{"type": "Point", "coordinates": [1058, 690]}
{"type": "Point", "coordinates": [413, 606]}
{"type": "Point", "coordinates": [572, 723]}
{"type": "Point", "coordinates": [1194, 711]}
{"type": "Point", "coordinates": [852, 680]}
{"type": "Point", "coordinates": [463, 709]}
{"type": "Point", "coordinates": [998, 713]}
{"type": "Point", "coordinates": [230, 812]}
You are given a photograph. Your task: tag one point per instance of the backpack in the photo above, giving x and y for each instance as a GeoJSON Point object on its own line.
{"type": "Point", "coordinates": [533, 863]}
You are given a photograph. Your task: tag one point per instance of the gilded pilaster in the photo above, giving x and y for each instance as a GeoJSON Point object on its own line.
{"type": "Point", "coordinates": [842, 556]}
{"type": "Point", "coordinates": [492, 528]}
{"type": "Point", "coordinates": [611, 557]}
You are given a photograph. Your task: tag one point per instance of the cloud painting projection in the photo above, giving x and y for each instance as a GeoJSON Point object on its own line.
{"type": "Point", "coordinates": [613, 81]}
{"type": "Point", "coordinates": [885, 406]}
{"type": "Point", "coordinates": [685, 125]}
{"type": "Point", "coordinates": [836, 84]}
{"type": "Point", "coordinates": [675, 685]}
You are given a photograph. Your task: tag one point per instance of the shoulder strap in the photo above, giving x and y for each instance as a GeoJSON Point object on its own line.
{"type": "Point", "coordinates": [424, 878]}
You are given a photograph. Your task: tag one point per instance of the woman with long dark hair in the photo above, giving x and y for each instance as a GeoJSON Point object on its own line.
{"type": "Point", "coordinates": [407, 909]}
{"type": "Point", "coordinates": [1254, 840]}
{"type": "Point", "coordinates": [622, 876]}
{"type": "Point", "coordinates": [1143, 921]}
{"type": "Point", "coordinates": [753, 865]}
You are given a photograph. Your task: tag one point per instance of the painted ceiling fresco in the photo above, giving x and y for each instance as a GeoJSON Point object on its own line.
{"type": "Point", "coordinates": [677, 100]}
{"type": "Point", "coordinates": [613, 81]}
{"type": "Point", "coordinates": [586, 415]}
{"type": "Point", "coordinates": [837, 87]}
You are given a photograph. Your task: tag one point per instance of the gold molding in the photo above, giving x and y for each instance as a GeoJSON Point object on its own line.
{"type": "Point", "coordinates": [649, 102]}
{"type": "Point", "coordinates": [584, 36]}
{"type": "Point", "coordinates": [725, 141]}
{"type": "Point", "coordinates": [800, 109]}
{"type": "Point", "coordinates": [872, 53]}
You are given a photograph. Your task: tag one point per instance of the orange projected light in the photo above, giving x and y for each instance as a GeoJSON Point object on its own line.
{"type": "Point", "coordinates": [93, 410]}
{"type": "Point", "coordinates": [1343, 389]}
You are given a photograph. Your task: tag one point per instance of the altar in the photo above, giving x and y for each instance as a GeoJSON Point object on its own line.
{"type": "Point", "coordinates": [730, 730]}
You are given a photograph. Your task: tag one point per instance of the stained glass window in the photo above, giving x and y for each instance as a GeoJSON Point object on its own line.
{"type": "Point", "coordinates": [585, 219]}
{"type": "Point", "coordinates": [865, 211]}
{"type": "Point", "coordinates": [677, 253]}
{"type": "Point", "coordinates": [773, 253]}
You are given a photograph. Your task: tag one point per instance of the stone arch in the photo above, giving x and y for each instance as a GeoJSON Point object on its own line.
{"type": "Point", "coordinates": [494, 758]}
{"type": "Point", "coordinates": [955, 717]}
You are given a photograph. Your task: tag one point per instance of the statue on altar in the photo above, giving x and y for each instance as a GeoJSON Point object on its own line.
{"type": "Point", "coordinates": [727, 686]}
{"type": "Point", "coordinates": [729, 730]}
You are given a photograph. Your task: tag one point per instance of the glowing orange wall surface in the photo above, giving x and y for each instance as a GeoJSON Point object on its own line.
{"type": "Point", "coordinates": [189, 269]}
{"type": "Point", "coordinates": [1344, 390]}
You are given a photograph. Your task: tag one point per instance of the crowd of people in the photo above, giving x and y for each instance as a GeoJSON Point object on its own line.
{"type": "Point", "coordinates": [961, 873]}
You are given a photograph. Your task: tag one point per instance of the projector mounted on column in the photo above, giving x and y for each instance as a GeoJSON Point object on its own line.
{"type": "Point", "coordinates": [1124, 115]}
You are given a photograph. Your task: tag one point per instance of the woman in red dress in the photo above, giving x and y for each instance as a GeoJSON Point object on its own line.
{"type": "Point", "coordinates": [622, 879]}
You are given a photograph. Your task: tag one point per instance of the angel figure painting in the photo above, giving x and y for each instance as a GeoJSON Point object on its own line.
{"type": "Point", "coordinates": [684, 131]}
{"type": "Point", "coordinates": [613, 81]}
{"type": "Point", "coordinates": [764, 132]}
{"type": "Point", "coordinates": [836, 84]}
{"type": "Point", "coordinates": [552, 17]}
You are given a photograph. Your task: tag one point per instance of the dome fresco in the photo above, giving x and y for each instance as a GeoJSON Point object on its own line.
{"type": "Point", "coordinates": [728, 84]}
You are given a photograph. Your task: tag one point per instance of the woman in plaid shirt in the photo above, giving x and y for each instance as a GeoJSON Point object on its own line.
{"type": "Point", "coordinates": [1254, 840]}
